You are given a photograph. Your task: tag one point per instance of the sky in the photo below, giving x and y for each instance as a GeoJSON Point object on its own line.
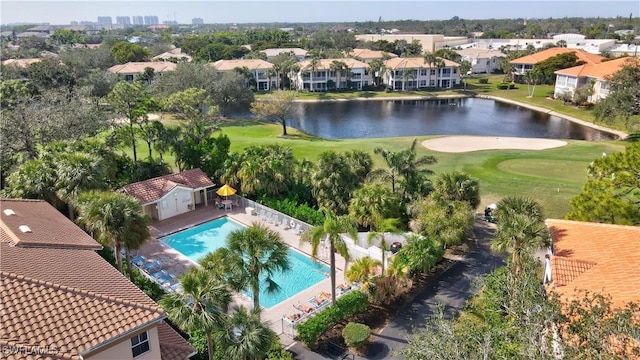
{"type": "Point", "coordinates": [244, 11]}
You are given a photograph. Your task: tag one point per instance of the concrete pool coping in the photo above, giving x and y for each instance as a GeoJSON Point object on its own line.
{"type": "Point", "coordinates": [176, 263]}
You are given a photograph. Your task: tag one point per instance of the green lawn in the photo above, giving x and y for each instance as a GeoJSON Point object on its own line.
{"type": "Point", "coordinates": [552, 176]}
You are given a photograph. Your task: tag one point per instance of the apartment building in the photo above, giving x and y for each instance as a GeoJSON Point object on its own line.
{"type": "Point", "coordinates": [324, 74]}
{"type": "Point", "coordinates": [413, 73]}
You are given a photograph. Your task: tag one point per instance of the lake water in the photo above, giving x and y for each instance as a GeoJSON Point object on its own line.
{"type": "Point", "coordinates": [469, 116]}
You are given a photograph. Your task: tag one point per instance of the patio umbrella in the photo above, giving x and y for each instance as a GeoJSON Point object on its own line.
{"type": "Point", "coordinates": [226, 190]}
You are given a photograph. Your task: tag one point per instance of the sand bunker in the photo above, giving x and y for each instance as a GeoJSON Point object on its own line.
{"type": "Point", "coordinates": [459, 144]}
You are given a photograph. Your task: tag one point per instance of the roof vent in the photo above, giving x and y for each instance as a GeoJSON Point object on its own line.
{"type": "Point", "coordinates": [9, 212]}
{"type": "Point", "coordinates": [24, 228]}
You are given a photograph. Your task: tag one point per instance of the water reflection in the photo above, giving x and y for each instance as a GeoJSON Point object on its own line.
{"type": "Point", "coordinates": [389, 118]}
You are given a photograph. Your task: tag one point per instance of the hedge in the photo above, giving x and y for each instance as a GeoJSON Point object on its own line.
{"type": "Point", "coordinates": [301, 212]}
{"type": "Point", "coordinates": [350, 304]}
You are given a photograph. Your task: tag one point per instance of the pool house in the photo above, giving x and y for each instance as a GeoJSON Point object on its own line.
{"type": "Point", "coordinates": [170, 195]}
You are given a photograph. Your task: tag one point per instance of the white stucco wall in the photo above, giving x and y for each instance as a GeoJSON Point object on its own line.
{"type": "Point", "coordinates": [177, 201]}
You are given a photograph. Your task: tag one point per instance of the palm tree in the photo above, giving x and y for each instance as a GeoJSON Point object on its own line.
{"type": "Point", "coordinates": [406, 75]}
{"type": "Point", "coordinates": [115, 218]}
{"type": "Point", "coordinates": [457, 186]}
{"type": "Point", "coordinates": [313, 66]}
{"type": "Point", "coordinates": [520, 228]}
{"type": "Point", "coordinates": [270, 74]}
{"type": "Point", "coordinates": [521, 235]}
{"type": "Point", "coordinates": [77, 172]}
{"type": "Point", "coordinates": [430, 59]}
{"type": "Point", "coordinates": [33, 179]}
{"type": "Point", "coordinates": [382, 228]}
{"type": "Point", "coordinates": [439, 65]}
{"type": "Point", "coordinates": [331, 230]}
{"type": "Point", "coordinates": [137, 235]}
{"type": "Point", "coordinates": [201, 305]}
{"type": "Point", "coordinates": [362, 269]}
{"type": "Point", "coordinates": [405, 165]}
{"type": "Point", "coordinates": [376, 67]}
{"type": "Point", "coordinates": [465, 67]}
{"type": "Point", "coordinates": [337, 66]}
{"type": "Point", "coordinates": [245, 336]}
{"type": "Point", "coordinates": [371, 201]}
{"type": "Point", "coordinates": [254, 252]}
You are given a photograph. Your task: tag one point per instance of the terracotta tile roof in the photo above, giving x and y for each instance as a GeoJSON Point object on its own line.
{"type": "Point", "coordinates": [138, 67]}
{"type": "Point", "coordinates": [566, 270]}
{"type": "Point", "coordinates": [417, 62]}
{"type": "Point", "coordinates": [599, 71]}
{"type": "Point", "coordinates": [45, 226]}
{"type": "Point", "coordinates": [535, 58]}
{"type": "Point", "coordinates": [276, 51]}
{"type": "Point", "coordinates": [370, 54]}
{"type": "Point", "coordinates": [598, 258]}
{"type": "Point", "coordinates": [172, 345]}
{"type": "Point", "coordinates": [21, 62]}
{"type": "Point", "coordinates": [65, 298]}
{"type": "Point", "coordinates": [251, 64]}
{"type": "Point", "coordinates": [152, 190]}
{"type": "Point", "coordinates": [324, 64]}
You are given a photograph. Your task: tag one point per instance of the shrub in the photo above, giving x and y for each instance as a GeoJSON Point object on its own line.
{"type": "Point", "coordinates": [350, 304]}
{"type": "Point", "coordinates": [512, 85]}
{"type": "Point", "coordinates": [586, 104]}
{"type": "Point", "coordinates": [290, 207]}
{"type": "Point", "coordinates": [502, 86]}
{"type": "Point", "coordinates": [483, 81]}
{"type": "Point", "coordinates": [356, 335]}
{"type": "Point", "coordinates": [389, 90]}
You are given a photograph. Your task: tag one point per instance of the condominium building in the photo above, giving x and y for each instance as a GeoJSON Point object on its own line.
{"type": "Point", "coordinates": [124, 20]}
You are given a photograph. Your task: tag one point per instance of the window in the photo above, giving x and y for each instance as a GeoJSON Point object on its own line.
{"type": "Point", "coordinates": [140, 344]}
{"type": "Point", "coordinates": [423, 72]}
{"type": "Point", "coordinates": [432, 72]}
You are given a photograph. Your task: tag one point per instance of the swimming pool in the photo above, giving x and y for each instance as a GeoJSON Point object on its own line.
{"type": "Point", "coordinates": [196, 242]}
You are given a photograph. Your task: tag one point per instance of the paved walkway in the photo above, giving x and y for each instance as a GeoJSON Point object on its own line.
{"type": "Point", "coordinates": [451, 290]}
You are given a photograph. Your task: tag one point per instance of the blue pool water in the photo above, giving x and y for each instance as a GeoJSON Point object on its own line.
{"type": "Point", "coordinates": [197, 241]}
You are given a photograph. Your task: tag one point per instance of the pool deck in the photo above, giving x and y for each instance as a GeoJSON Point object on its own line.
{"type": "Point", "coordinates": [176, 263]}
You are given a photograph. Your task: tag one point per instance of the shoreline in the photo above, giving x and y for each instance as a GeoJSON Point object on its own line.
{"type": "Point", "coordinates": [620, 134]}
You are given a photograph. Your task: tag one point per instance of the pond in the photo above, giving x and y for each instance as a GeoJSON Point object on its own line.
{"type": "Point", "coordinates": [468, 116]}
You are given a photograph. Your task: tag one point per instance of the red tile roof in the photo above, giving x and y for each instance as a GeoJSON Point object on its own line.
{"type": "Point", "coordinates": [596, 257]}
{"type": "Point", "coordinates": [171, 344]}
{"type": "Point", "coordinates": [44, 227]}
{"type": "Point", "coordinates": [138, 67]}
{"type": "Point", "coordinates": [599, 71]}
{"type": "Point", "coordinates": [545, 54]}
{"type": "Point", "coordinates": [152, 190]}
{"type": "Point", "coordinates": [415, 62]}
{"type": "Point", "coordinates": [63, 298]}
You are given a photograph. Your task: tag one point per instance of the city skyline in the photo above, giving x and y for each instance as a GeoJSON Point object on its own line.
{"type": "Point", "coordinates": [261, 11]}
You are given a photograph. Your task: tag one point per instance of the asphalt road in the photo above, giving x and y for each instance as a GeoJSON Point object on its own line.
{"type": "Point", "coordinates": [451, 291]}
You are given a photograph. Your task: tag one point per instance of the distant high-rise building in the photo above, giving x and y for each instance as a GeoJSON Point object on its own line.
{"type": "Point", "coordinates": [170, 22]}
{"type": "Point", "coordinates": [104, 20]}
{"type": "Point", "coordinates": [151, 20]}
{"type": "Point", "coordinates": [124, 20]}
{"type": "Point", "coordinates": [73, 23]}
{"type": "Point", "coordinates": [138, 20]}
{"type": "Point", "coordinates": [197, 21]}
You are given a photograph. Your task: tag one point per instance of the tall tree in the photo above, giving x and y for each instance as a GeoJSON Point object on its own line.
{"type": "Point", "coordinates": [457, 186]}
{"type": "Point", "coordinates": [132, 101]}
{"type": "Point", "coordinates": [612, 192]}
{"type": "Point", "coordinates": [275, 107]}
{"type": "Point", "coordinates": [229, 93]}
{"type": "Point", "coordinates": [333, 181]}
{"type": "Point", "coordinates": [253, 253]}
{"type": "Point", "coordinates": [331, 230]}
{"type": "Point", "coordinates": [201, 305]}
{"type": "Point", "coordinates": [406, 168]}
{"type": "Point", "coordinates": [124, 52]}
{"type": "Point", "coordinates": [520, 229]}
{"type": "Point", "coordinates": [623, 102]}
{"type": "Point", "coordinates": [115, 219]}
{"type": "Point", "coordinates": [371, 201]}
{"type": "Point", "coordinates": [244, 336]}
{"type": "Point", "coordinates": [78, 172]}
{"type": "Point", "coordinates": [450, 222]}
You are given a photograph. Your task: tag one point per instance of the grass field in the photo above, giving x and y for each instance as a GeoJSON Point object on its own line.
{"type": "Point", "coordinates": [551, 176]}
